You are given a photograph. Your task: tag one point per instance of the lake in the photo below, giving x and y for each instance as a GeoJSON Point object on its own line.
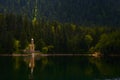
{"type": "Point", "coordinates": [60, 68]}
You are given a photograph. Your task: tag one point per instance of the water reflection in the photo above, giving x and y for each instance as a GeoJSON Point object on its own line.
{"type": "Point", "coordinates": [60, 68]}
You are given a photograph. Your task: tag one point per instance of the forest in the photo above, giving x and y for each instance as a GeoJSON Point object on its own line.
{"type": "Point", "coordinates": [57, 37]}
{"type": "Point", "coordinates": [104, 12]}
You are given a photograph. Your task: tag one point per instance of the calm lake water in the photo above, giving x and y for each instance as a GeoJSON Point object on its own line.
{"type": "Point", "coordinates": [61, 68]}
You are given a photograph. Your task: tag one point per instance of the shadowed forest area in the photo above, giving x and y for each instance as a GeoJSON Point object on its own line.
{"type": "Point", "coordinates": [57, 37]}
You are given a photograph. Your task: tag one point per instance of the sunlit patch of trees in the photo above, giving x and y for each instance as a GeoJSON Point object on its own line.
{"type": "Point", "coordinates": [63, 37]}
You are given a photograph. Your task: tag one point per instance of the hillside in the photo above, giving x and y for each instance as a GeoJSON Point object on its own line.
{"type": "Point", "coordinates": [85, 12]}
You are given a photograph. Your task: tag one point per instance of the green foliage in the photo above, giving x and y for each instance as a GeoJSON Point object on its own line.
{"type": "Point", "coordinates": [85, 12]}
{"type": "Point", "coordinates": [88, 40]}
{"type": "Point", "coordinates": [47, 48]}
{"type": "Point", "coordinates": [109, 43]}
{"type": "Point", "coordinates": [16, 32]}
{"type": "Point", "coordinates": [16, 45]}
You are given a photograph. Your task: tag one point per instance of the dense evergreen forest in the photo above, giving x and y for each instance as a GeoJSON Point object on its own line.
{"type": "Point", "coordinates": [57, 37]}
{"type": "Point", "coordinates": [103, 12]}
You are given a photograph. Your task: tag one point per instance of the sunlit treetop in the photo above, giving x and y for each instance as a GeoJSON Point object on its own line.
{"type": "Point", "coordinates": [34, 20]}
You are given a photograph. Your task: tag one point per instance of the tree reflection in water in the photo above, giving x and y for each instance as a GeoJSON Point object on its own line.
{"type": "Point", "coordinates": [60, 68]}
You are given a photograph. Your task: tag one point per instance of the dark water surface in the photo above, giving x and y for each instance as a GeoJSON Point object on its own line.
{"type": "Point", "coordinates": [60, 68]}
